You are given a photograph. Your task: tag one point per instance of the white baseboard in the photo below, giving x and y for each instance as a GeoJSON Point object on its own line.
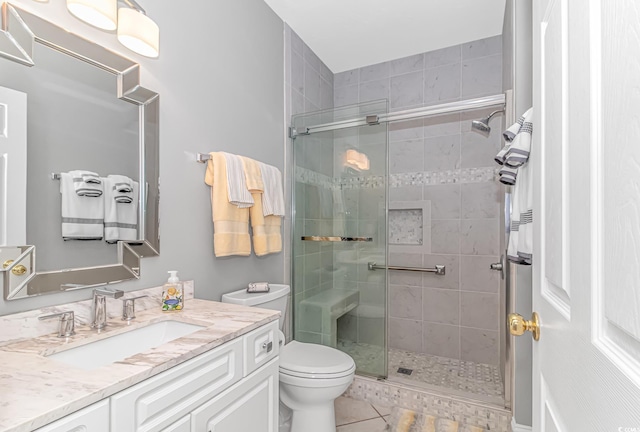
{"type": "Point", "coordinates": [519, 428]}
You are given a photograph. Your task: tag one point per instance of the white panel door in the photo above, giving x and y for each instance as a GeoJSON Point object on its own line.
{"type": "Point", "coordinates": [94, 418]}
{"type": "Point", "coordinates": [586, 160]}
{"type": "Point", "coordinates": [13, 167]}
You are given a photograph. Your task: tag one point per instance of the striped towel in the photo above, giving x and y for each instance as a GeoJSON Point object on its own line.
{"type": "Point", "coordinates": [237, 190]}
{"type": "Point", "coordinates": [273, 196]}
{"type": "Point", "coordinates": [123, 189]}
{"type": "Point", "coordinates": [82, 217]}
{"type": "Point", "coordinates": [517, 153]}
{"type": "Point", "coordinates": [87, 183]}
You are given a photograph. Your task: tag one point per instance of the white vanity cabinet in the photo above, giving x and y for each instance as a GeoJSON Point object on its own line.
{"type": "Point", "coordinates": [94, 418]}
{"type": "Point", "coordinates": [239, 377]}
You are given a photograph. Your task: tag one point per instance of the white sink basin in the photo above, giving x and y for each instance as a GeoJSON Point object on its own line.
{"type": "Point", "coordinates": [115, 348]}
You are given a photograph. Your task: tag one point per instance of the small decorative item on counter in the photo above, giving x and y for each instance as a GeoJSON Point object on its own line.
{"type": "Point", "coordinates": [173, 293]}
{"type": "Point", "coordinates": [258, 287]}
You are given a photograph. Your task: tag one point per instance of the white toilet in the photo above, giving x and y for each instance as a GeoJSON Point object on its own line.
{"type": "Point", "coordinates": [311, 376]}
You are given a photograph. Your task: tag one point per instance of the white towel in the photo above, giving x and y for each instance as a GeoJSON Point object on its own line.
{"type": "Point", "coordinates": [516, 167]}
{"type": "Point", "coordinates": [273, 195]}
{"type": "Point", "coordinates": [122, 188]}
{"type": "Point", "coordinates": [518, 152]}
{"type": "Point", "coordinates": [120, 218]}
{"type": "Point", "coordinates": [82, 216]}
{"type": "Point", "coordinates": [87, 183]}
{"type": "Point", "coordinates": [236, 182]}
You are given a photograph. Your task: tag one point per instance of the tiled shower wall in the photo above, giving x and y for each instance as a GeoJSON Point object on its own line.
{"type": "Point", "coordinates": [446, 170]}
{"type": "Point", "coordinates": [309, 88]}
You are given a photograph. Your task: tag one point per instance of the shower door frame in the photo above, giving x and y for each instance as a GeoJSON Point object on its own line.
{"type": "Point", "coordinates": [503, 100]}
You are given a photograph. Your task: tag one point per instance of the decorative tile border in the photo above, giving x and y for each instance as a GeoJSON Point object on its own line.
{"type": "Point", "coordinates": [389, 394]}
{"type": "Point", "coordinates": [424, 178]}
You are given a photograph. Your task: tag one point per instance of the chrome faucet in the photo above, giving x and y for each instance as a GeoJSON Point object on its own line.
{"type": "Point", "coordinates": [99, 306]}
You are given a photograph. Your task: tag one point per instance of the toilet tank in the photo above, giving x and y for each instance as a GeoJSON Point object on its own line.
{"type": "Point", "coordinates": [276, 299]}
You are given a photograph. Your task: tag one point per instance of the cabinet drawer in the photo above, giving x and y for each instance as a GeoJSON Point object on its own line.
{"type": "Point", "coordinates": [94, 418]}
{"type": "Point", "coordinates": [182, 425]}
{"type": "Point", "coordinates": [260, 346]}
{"type": "Point", "coordinates": [158, 402]}
{"type": "Point", "coordinates": [249, 406]}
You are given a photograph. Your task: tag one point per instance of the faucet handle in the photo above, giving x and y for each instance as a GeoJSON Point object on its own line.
{"type": "Point", "coordinates": [129, 307]}
{"type": "Point", "coordinates": [107, 291]}
{"type": "Point", "coordinates": [66, 322]}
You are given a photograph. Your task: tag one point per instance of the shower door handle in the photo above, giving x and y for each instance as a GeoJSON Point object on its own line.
{"type": "Point", "coordinates": [499, 266]}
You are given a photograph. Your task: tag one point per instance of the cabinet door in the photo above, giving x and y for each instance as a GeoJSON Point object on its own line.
{"type": "Point", "coordinates": [260, 346]}
{"type": "Point", "coordinates": [250, 405]}
{"type": "Point", "coordinates": [94, 418]}
{"type": "Point", "coordinates": [182, 425]}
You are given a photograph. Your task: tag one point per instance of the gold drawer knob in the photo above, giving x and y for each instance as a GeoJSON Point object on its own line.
{"type": "Point", "coordinates": [519, 326]}
{"type": "Point", "coordinates": [18, 270]}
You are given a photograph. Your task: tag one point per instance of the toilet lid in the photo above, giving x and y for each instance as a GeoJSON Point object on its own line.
{"type": "Point", "coordinates": [312, 359]}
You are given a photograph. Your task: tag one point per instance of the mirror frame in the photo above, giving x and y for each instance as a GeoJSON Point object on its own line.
{"type": "Point", "coordinates": [19, 32]}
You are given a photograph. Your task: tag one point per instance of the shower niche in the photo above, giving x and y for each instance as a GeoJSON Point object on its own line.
{"type": "Point", "coordinates": [410, 226]}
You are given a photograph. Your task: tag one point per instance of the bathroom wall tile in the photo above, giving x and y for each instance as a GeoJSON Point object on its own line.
{"type": "Point", "coordinates": [312, 89]}
{"type": "Point", "coordinates": [326, 73]}
{"type": "Point", "coordinates": [407, 90]}
{"type": "Point", "coordinates": [347, 95]}
{"type": "Point", "coordinates": [448, 124]}
{"type": "Point", "coordinates": [372, 293]}
{"type": "Point", "coordinates": [308, 337]}
{"type": "Point", "coordinates": [445, 236]}
{"type": "Point", "coordinates": [370, 202]}
{"type": "Point", "coordinates": [310, 318]}
{"type": "Point", "coordinates": [374, 72]}
{"type": "Point", "coordinates": [406, 156]}
{"type": "Point", "coordinates": [482, 47]}
{"type": "Point", "coordinates": [374, 90]}
{"type": "Point", "coordinates": [397, 277]}
{"type": "Point", "coordinates": [441, 306]}
{"type": "Point", "coordinates": [479, 346]}
{"type": "Point", "coordinates": [480, 236]}
{"type": "Point", "coordinates": [311, 58]}
{"type": "Point", "coordinates": [478, 150]}
{"type": "Point", "coordinates": [475, 274]}
{"type": "Point", "coordinates": [442, 153]}
{"type": "Point", "coordinates": [405, 334]}
{"type": "Point", "coordinates": [481, 200]}
{"type": "Point", "coordinates": [406, 64]}
{"type": "Point", "coordinates": [326, 94]}
{"type": "Point", "coordinates": [406, 130]}
{"type": "Point", "coordinates": [371, 330]}
{"type": "Point", "coordinates": [296, 42]}
{"type": "Point", "coordinates": [442, 84]}
{"type": "Point", "coordinates": [311, 271]}
{"type": "Point", "coordinates": [451, 280]}
{"type": "Point", "coordinates": [346, 78]}
{"type": "Point", "coordinates": [479, 310]}
{"type": "Point", "coordinates": [482, 76]}
{"type": "Point", "coordinates": [405, 302]}
{"type": "Point", "coordinates": [297, 72]}
{"type": "Point", "coordinates": [441, 340]}
{"type": "Point", "coordinates": [297, 103]}
{"type": "Point", "coordinates": [445, 200]}
{"type": "Point", "coordinates": [441, 57]}
{"type": "Point", "coordinates": [310, 106]}
{"type": "Point", "coordinates": [405, 193]}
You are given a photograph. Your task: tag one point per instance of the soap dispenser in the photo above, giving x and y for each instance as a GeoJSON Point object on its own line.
{"type": "Point", "coordinates": [172, 293]}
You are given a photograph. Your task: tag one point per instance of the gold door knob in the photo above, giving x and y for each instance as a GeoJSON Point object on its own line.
{"type": "Point", "coordinates": [519, 326]}
{"type": "Point", "coordinates": [18, 270]}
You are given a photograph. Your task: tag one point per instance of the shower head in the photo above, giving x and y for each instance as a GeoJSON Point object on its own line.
{"type": "Point", "coordinates": [482, 125]}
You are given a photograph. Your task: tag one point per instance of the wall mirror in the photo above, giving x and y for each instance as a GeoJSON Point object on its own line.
{"type": "Point", "coordinates": [68, 104]}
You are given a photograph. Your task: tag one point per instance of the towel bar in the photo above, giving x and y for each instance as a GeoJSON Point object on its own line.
{"type": "Point", "coordinates": [202, 157]}
{"type": "Point", "coordinates": [440, 270]}
{"type": "Point", "coordinates": [336, 239]}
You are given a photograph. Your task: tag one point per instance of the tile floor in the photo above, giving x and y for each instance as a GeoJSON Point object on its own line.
{"type": "Point", "coordinates": [358, 416]}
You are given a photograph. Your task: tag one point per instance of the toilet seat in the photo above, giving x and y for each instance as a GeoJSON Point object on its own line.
{"type": "Point", "coordinates": [312, 361]}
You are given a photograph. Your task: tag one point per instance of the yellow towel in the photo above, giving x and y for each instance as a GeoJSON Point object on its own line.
{"type": "Point", "coordinates": [252, 174]}
{"type": "Point", "coordinates": [230, 223]}
{"type": "Point", "coordinates": [266, 229]}
{"type": "Point", "coordinates": [407, 418]}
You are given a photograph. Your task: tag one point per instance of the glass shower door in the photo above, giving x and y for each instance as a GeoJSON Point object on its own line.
{"type": "Point", "coordinates": [340, 227]}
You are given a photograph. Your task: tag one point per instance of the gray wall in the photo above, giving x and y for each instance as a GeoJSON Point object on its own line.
{"type": "Point", "coordinates": [220, 79]}
{"type": "Point", "coordinates": [517, 41]}
{"type": "Point", "coordinates": [442, 161]}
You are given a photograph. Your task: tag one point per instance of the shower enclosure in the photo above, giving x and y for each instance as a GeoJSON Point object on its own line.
{"type": "Point", "coordinates": [393, 238]}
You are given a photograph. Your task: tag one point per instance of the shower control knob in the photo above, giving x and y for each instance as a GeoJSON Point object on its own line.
{"type": "Point", "coordinates": [496, 266]}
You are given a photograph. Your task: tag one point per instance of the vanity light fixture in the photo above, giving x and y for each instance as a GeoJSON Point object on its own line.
{"type": "Point", "coordinates": [99, 13]}
{"type": "Point", "coordinates": [137, 31]}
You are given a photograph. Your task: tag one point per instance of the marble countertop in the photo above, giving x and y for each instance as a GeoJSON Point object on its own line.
{"type": "Point", "coordinates": [35, 390]}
